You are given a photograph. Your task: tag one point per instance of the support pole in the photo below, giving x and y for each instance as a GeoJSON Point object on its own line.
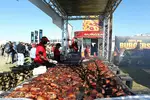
{"type": "Point", "coordinates": [105, 39]}
{"type": "Point", "coordinates": [100, 40]}
{"type": "Point", "coordinates": [110, 38]}
{"type": "Point", "coordinates": [62, 36]}
{"type": "Point", "coordinates": [65, 36]}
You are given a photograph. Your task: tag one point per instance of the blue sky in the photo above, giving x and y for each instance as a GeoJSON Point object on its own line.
{"type": "Point", "coordinates": [18, 19]}
{"type": "Point", "coordinates": [132, 17]}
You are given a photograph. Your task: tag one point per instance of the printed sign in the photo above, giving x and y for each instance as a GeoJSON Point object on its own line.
{"type": "Point", "coordinates": [88, 34]}
{"type": "Point", "coordinates": [132, 50]}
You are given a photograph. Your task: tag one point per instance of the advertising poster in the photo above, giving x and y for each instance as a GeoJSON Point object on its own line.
{"type": "Point", "coordinates": [92, 31]}
{"type": "Point", "coordinates": [91, 25]}
{"type": "Point", "coordinates": [132, 50]}
{"type": "Point", "coordinates": [88, 34]}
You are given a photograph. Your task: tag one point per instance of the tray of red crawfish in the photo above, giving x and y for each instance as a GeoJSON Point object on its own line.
{"type": "Point", "coordinates": [88, 81]}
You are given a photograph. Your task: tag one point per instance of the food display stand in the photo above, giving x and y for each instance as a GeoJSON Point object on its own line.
{"type": "Point", "coordinates": [91, 78]}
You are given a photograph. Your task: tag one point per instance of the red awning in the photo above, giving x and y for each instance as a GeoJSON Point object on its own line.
{"type": "Point", "coordinates": [88, 34]}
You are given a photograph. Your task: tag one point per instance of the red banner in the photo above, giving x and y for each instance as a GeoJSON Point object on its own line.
{"type": "Point", "coordinates": [88, 34]}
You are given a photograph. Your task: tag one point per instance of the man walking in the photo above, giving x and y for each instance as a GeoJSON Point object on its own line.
{"type": "Point", "coordinates": [8, 52]}
{"type": "Point", "coordinates": [33, 52]}
{"type": "Point", "coordinates": [20, 50]}
{"type": "Point", "coordinates": [3, 48]}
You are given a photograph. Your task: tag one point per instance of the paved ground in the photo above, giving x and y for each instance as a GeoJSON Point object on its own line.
{"type": "Point", "coordinates": [141, 77]}
{"type": "Point", "coordinates": [147, 70]}
{"type": "Point", "coordinates": [6, 67]}
{"type": "Point", "coordinates": [3, 66]}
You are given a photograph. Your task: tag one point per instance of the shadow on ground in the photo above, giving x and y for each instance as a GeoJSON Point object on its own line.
{"type": "Point", "coordinates": [138, 75]}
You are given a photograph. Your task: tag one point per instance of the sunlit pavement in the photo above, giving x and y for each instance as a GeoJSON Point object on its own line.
{"type": "Point", "coordinates": [3, 65]}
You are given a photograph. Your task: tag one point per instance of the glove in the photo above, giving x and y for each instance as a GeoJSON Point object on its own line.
{"type": "Point", "coordinates": [53, 61]}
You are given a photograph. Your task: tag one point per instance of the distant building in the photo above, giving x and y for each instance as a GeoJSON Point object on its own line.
{"type": "Point", "coordinates": [55, 40]}
{"type": "Point", "coordinates": [146, 34]}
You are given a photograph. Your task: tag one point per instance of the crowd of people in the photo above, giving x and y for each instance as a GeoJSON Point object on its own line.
{"type": "Point", "coordinates": [14, 52]}
{"type": "Point", "coordinates": [39, 53]}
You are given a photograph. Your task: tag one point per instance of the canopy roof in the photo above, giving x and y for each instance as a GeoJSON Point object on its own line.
{"type": "Point", "coordinates": [60, 10]}
{"type": "Point", "coordinates": [83, 7]}
{"type": "Point", "coordinates": [77, 7]}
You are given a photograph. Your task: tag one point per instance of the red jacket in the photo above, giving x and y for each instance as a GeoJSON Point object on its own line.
{"type": "Point", "coordinates": [57, 54]}
{"type": "Point", "coordinates": [40, 49]}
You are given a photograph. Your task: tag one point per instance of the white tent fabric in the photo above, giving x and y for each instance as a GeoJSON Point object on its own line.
{"type": "Point", "coordinates": [3, 42]}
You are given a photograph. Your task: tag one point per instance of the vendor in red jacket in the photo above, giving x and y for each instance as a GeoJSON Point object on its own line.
{"type": "Point", "coordinates": [41, 57]}
{"type": "Point", "coordinates": [57, 52]}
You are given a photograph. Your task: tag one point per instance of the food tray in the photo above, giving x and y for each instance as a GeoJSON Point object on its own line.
{"type": "Point", "coordinates": [137, 97]}
{"type": "Point", "coordinates": [119, 81]}
{"type": "Point", "coordinates": [14, 99]}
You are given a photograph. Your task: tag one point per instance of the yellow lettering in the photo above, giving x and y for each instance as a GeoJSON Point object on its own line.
{"type": "Point", "coordinates": [124, 45]}
{"type": "Point", "coordinates": [130, 45]}
{"type": "Point", "coordinates": [143, 45]}
{"type": "Point", "coordinates": [121, 45]}
{"type": "Point", "coordinates": [131, 40]}
{"type": "Point", "coordinates": [139, 40]}
{"type": "Point", "coordinates": [134, 45]}
{"type": "Point", "coordinates": [148, 45]}
{"type": "Point", "coordinates": [127, 45]}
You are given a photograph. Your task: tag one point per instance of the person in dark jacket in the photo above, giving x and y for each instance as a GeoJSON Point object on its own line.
{"type": "Point", "coordinates": [20, 50]}
{"type": "Point", "coordinates": [8, 50]}
{"type": "Point", "coordinates": [12, 52]}
{"type": "Point", "coordinates": [3, 48]}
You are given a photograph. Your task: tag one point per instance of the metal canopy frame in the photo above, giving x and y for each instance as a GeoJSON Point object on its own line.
{"type": "Point", "coordinates": [107, 27]}
{"type": "Point", "coordinates": [56, 7]}
{"type": "Point", "coordinates": [83, 7]}
{"type": "Point", "coordinates": [110, 8]}
{"type": "Point", "coordinates": [105, 17]}
{"type": "Point", "coordinates": [96, 17]}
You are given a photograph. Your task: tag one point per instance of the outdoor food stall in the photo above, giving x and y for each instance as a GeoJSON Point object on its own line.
{"type": "Point", "coordinates": [82, 79]}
